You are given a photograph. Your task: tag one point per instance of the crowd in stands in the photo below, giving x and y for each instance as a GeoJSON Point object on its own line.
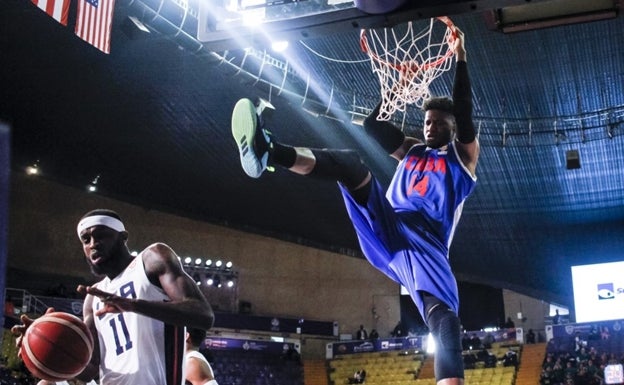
{"type": "Point", "coordinates": [256, 368]}
{"type": "Point", "coordinates": [584, 368]}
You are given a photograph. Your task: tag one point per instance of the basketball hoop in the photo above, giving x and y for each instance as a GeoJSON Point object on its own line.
{"type": "Point", "coordinates": [406, 61]}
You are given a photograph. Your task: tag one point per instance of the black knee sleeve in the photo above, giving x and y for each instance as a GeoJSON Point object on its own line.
{"type": "Point", "coordinates": [345, 166]}
{"type": "Point", "coordinates": [445, 328]}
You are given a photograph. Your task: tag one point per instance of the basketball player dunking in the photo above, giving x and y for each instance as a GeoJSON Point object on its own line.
{"type": "Point", "coordinates": [405, 232]}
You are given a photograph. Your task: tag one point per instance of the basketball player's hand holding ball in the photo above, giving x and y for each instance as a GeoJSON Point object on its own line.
{"type": "Point", "coordinates": [112, 303]}
{"type": "Point", "coordinates": [54, 347]}
{"type": "Point", "coordinates": [19, 330]}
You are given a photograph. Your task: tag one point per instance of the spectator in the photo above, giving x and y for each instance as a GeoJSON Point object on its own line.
{"type": "Point", "coordinates": [291, 354]}
{"type": "Point", "coordinates": [570, 369]}
{"type": "Point", "coordinates": [546, 377]}
{"type": "Point", "coordinates": [579, 342]}
{"type": "Point", "coordinates": [549, 361]}
{"type": "Point", "coordinates": [530, 337]}
{"type": "Point", "coordinates": [582, 355]}
{"type": "Point", "coordinates": [488, 340]}
{"type": "Point", "coordinates": [510, 358]}
{"type": "Point", "coordinates": [470, 361]}
{"type": "Point", "coordinates": [361, 334]}
{"type": "Point", "coordinates": [509, 324]}
{"type": "Point", "coordinates": [362, 376]}
{"type": "Point", "coordinates": [475, 342]}
{"type": "Point", "coordinates": [374, 335]}
{"type": "Point", "coordinates": [465, 342]}
{"type": "Point", "coordinates": [357, 377]}
{"type": "Point", "coordinates": [398, 330]}
{"type": "Point", "coordinates": [556, 318]}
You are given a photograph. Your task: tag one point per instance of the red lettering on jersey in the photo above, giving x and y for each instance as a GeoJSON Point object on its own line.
{"type": "Point", "coordinates": [421, 165]}
{"type": "Point", "coordinates": [418, 186]}
{"type": "Point", "coordinates": [436, 165]}
{"type": "Point", "coordinates": [415, 163]}
{"type": "Point", "coordinates": [440, 166]}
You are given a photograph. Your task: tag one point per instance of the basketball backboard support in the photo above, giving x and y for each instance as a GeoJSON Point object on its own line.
{"type": "Point", "coordinates": [234, 24]}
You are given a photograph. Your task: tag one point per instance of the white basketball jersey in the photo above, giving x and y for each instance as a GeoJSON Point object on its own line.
{"type": "Point", "coordinates": [199, 356]}
{"type": "Point", "coordinates": [132, 346]}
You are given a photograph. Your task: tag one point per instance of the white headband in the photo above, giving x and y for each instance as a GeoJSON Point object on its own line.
{"type": "Point", "coordinates": [100, 220]}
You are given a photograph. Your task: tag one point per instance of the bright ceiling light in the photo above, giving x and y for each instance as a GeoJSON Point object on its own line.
{"type": "Point", "coordinates": [93, 186]}
{"type": "Point", "coordinates": [33, 170]}
{"type": "Point", "coordinates": [279, 46]}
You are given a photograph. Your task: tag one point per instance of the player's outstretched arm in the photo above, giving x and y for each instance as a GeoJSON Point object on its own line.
{"type": "Point", "coordinates": [467, 144]}
{"type": "Point", "coordinates": [188, 306]}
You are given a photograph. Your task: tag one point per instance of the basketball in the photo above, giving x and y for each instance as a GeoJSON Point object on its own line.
{"type": "Point", "coordinates": [57, 346]}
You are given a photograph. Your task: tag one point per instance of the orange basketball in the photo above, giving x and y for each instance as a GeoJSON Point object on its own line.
{"type": "Point", "coordinates": [57, 346]}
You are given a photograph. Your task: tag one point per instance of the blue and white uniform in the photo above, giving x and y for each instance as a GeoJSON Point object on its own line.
{"type": "Point", "coordinates": [135, 349]}
{"type": "Point", "coordinates": [406, 232]}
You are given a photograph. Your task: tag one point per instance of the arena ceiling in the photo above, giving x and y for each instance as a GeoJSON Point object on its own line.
{"type": "Point", "coordinates": [151, 121]}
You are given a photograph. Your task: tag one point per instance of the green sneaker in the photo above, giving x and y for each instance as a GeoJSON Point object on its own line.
{"type": "Point", "coordinates": [253, 141]}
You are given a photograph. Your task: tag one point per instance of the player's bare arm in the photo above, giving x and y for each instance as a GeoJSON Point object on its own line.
{"type": "Point", "coordinates": [188, 306]}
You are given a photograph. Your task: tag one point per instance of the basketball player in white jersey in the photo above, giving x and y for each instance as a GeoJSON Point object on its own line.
{"type": "Point", "coordinates": [138, 311]}
{"type": "Point", "coordinates": [197, 369]}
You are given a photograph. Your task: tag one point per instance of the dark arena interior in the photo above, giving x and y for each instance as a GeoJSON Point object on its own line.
{"type": "Point", "coordinates": [147, 127]}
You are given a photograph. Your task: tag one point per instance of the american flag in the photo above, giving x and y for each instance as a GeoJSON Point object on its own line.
{"type": "Point", "coordinates": [58, 9]}
{"type": "Point", "coordinates": [94, 21]}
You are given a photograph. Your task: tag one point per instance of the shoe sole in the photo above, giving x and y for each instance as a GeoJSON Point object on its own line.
{"type": "Point", "coordinates": [244, 130]}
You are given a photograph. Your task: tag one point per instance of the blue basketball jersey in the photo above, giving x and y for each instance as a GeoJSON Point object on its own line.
{"type": "Point", "coordinates": [407, 230]}
{"type": "Point", "coordinates": [433, 183]}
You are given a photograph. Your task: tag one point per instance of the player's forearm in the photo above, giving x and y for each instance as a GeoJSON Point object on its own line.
{"type": "Point", "coordinates": [191, 312]}
{"type": "Point", "coordinates": [462, 103]}
{"type": "Point", "coordinates": [389, 137]}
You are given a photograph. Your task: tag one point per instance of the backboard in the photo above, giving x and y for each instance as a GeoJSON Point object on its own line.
{"type": "Point", "coordinates": [232, 24]}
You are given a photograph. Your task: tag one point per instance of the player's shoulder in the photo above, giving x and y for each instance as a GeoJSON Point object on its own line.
{"type": "Point", "coordinates": [157, 250]}
{"type": "Point", "coordinates": [159, 257]}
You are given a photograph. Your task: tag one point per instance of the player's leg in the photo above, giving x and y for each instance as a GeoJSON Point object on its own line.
{"type": "Point", "coordinates": [445, 328]}
{"type": "Point", "coordinates": [258, 151]}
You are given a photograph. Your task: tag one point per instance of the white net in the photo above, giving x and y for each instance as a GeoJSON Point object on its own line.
{"type": "Point", "coordinates": [406, 61]}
